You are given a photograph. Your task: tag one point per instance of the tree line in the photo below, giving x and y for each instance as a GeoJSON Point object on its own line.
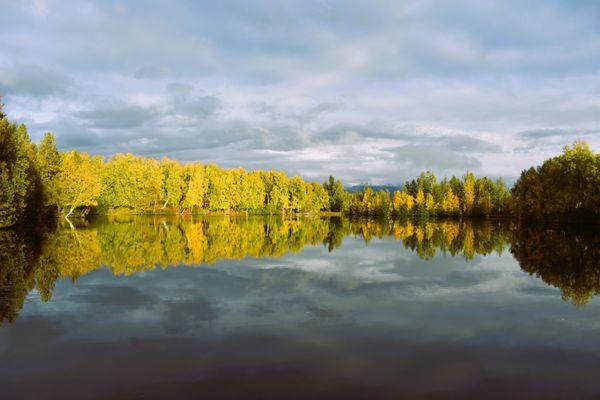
{"type": "Point", "coordinates": [427, 197]}
{"type": "Point", "coordinates": [37, 180]}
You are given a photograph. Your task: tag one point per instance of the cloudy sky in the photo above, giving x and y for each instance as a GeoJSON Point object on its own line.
{"type": "Point", "coordinates": [370, 91]}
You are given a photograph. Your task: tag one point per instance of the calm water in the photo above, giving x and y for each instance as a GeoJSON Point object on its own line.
{"type": "Point", "coordinates": [310, 308]}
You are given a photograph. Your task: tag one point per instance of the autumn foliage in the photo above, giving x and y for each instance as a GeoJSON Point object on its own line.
{"type": "Point", "coordinates": [37, 179]}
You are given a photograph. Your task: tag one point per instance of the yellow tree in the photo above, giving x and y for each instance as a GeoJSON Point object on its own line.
{"type": "Point", "coordinates": [469, 192]}
{"type": "Point", "coordinates": [429, 203]}
{"type": "Point", "coordinates": [278, 198]}
{"type": "Point", "coordinates": [409, 201]}
{"type": "Point", "coordinates": [79, 182]}
{"type": "Point", "coordinates": [420, 201]}
{"type": "Point", "coordinates": [172, 182]}
{"type": "Point", "coordinates": [218, 187]}
{"type": "Point", "coordinates": [237, 179]}
{"type": "Point", "coordinates": [367, 200]}
{"type": "Point", "coordinates": [297, 193]}
{"type": "Point", "coordinates": [253, 192]}
{"type": "Point", "coordinates": [451, 203]}
{"type": "Point", "coordinates": [317, 197]}
{"type": "Point", "coordinates": [397, 202]}
{"type": "Point", "coordinates": [196, 188]}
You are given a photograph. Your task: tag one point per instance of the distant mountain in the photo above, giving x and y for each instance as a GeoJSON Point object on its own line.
{"type": "Point", "coordinates": [376, 188]}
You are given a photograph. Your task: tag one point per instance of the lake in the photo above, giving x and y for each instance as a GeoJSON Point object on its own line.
{"type": "Point", "coordinates": [265, 307]}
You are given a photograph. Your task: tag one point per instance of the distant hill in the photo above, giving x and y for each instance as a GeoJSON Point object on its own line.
{"type": "Point", "coordinates": [376, 188]}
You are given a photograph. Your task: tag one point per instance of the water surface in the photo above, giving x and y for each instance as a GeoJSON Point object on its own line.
{"type": "Point", "coordinates": [153, 307]}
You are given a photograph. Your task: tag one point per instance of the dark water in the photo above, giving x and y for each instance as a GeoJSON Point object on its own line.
{"type": "Point", "coordinates": [310, 308]}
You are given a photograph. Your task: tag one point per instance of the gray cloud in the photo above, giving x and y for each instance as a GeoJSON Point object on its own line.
{"type": "Point", "coordinates": [116, 117]}
{"type": "Point", "coordinates": [467, 144]}
{"type": "Point", "coordinates": [111, 295]}
{"type": "Point", "coordinates": [198, 106]}
{"type": "Point", "coordinates": [435, 158]}
{"type": "Point", "coordinates": [32, 80]}
{"type": "Point", "coordinates": [149, 72]}
{"type": "Point", "coordinates": [536, 134]}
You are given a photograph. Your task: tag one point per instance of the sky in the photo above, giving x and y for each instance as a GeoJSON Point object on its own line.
{"type": "Point", "coordinates": [368, 91]}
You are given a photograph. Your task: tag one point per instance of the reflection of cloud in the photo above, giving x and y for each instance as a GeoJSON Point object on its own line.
{"type": "Point", "coordinates": [184, 314]}
{"type": "Point", "coordinates": [26, 333]}
{"type": "Point", "coordinates": [111, 295]}
{"type": "Point", "coordinates": [330, 311]}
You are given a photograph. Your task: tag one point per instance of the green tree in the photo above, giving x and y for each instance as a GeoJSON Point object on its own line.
{"type": "Point", "coordinates": [500, 197]}
{"type": "Point", "coordinates": [19, 182]}
{"type": "Point", "coordinates": [317, 198]}
{"type": "Point", "coordinates": [483, 196]}
{"type": "Point", "coordinates": [49, 163]}
{"type": "Point", "coordinates": [132, 183]}
{"type": "Point", "coordinates": [563, 187]}
{"type": "Point", "coordinates": [427, 182]}
{"type": "Point", "coordinates": [337, 194]}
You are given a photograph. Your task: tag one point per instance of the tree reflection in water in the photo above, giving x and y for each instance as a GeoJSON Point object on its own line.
{"type": "Point", "coordinates": [126, 245]}
{"type": "Point", "coordinates": [564, 258]}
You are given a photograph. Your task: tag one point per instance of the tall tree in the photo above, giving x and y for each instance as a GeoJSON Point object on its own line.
{"type": "Point", "coordinates": [297, 190]}
{"type": "Point", "coordinates": [468, 193]}
{"type": "Point", "coordinates": [337, 194]}
{"type": "Point", "coordinates": [79, 181]}
{"type": "Point", "coordinates": [131, 182]}
{"type": "Point", "coordinates": [217, 197]}
{"type": "Point", "coordinates": [253, 192]}
{"type": "Point", "coordinates": [279, 196]}
{"type": "Point", "coordinates": [317, 198]}
{"type": "Point", "coordinates": [451, 203]}
{"type": "Point", "coordinates": [17, 173]}
{"type": "Point", "coordinates": [194, 197]}
{"type": "Point", "coordinates": [172, 182]}
{"type": "Point", "coordinates": [49, 163]}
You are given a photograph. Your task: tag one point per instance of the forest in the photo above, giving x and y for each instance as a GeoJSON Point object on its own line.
{"type": "Point", "coordinates": [36, 181]}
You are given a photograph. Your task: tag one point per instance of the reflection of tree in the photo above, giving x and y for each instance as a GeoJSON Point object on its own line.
{"type": "Point", "coordinates": [15, 274]}
{"type": "Point", "coordinates": [130, 244]}
{"type": "Point", "coordinates": [18, 258]}
{"type": "Point", "coordinates": [562, 258]}
{"type": "Point", "coordinates": [447, 236]}
{"type": "Point", "coordinates": [336, 233]}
